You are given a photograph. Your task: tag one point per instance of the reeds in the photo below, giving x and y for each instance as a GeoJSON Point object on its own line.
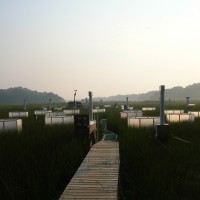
{"type": "Point", "coordinates": [39, 162]}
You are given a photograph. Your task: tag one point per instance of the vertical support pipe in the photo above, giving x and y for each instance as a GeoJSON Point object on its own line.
{"type": "Point", "coordinates": [75, 99]}
{"type": "Point", "coordinates": [162, 99]}
{"type": "Point", "coordinates": [162, 129]}
{"type": "Point", "coordinates": [187, 104]}
{"type": "Point", "coordinates": [90, 106]}
{"type": "Point", "coordinates": [127, 103]}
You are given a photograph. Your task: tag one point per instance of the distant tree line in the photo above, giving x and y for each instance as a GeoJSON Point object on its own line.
{"type": "Point", "coordinates": [17, 95]}
{"type": "Point", "coordinates": [175, 93]}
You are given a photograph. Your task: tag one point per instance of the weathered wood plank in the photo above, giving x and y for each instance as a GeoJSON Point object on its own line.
{"type": "Point", "coordinates": [97, 176]}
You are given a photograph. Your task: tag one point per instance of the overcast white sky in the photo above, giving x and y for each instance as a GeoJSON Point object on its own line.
{"type": "Point", "coordinates": [108, 47]}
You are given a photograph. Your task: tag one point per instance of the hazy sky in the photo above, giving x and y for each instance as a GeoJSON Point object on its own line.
{"type": "Point", "coordinates": [108, 47]}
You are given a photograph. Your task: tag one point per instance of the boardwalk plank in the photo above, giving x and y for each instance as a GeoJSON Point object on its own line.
{"type": "Point", "coordinates": [97, 176]}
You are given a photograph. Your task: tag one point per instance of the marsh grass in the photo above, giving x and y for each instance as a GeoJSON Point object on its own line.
{"type": "Point", "coordinates": [37, 165]}
{"type": "Point", "coordinates": [39, 162]}
{"type": "Point", "coordinates": [150, 170]}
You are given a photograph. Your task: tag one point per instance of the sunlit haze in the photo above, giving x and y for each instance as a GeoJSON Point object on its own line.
{"type": "Point", "coordinates": [108, 47]}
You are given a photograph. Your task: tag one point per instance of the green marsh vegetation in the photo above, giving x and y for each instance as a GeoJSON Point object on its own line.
{"type": "Point", "coordinates": [39, 162]}
{"type": "Point", "coordinates": [152, 170]}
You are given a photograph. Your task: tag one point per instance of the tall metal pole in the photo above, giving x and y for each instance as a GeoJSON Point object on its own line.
{"type": "Point", "coordinates": [75, 98]}
{"type": "Point", "coordinates": [162, 99]}
{"type": "Point", "coordinates": [187, 106]}
{"type": "Point", "coordinates": [127, 103]}
{"type": "Point", "coordinates": [162, 129]}
{"type": "Point", "coordinates": [90, 106]}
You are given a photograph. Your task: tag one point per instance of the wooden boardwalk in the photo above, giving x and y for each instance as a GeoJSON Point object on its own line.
{"type": "Point", "coordinates": [97, 176]}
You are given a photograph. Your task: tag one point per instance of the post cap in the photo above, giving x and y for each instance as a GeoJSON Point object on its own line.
{"type": "Point", "coordinates": [90, 93]}
{"type": "Point", "coordinates": [162, 88]}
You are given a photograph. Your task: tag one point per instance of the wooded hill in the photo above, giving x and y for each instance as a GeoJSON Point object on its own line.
{"type": "Point", "coordinates": [175, 93]}
{"type": "Point", "coordinates": [17, 95]}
